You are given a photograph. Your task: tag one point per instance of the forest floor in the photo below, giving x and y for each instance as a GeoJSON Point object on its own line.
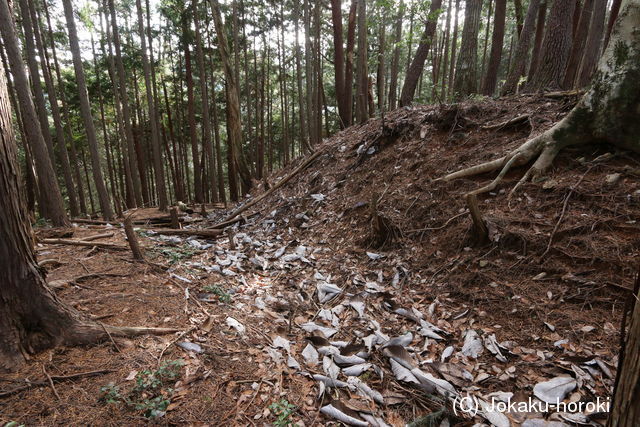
{"type": "Point", "coordinates": [275, 312]}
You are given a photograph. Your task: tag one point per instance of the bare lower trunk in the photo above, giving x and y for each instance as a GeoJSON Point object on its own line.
{"type": "Point", "coordinates": [31, 319]}
{"type": "Point", "coordinates": [626, 405]}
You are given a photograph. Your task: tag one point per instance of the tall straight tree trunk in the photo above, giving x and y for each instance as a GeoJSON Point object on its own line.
{"type": "Point", "coordinates": [362, 82]}
{"type": "Point", "coordinates": [578, 48]}
{"type": "Point", "coordinates": [50, 200]}
{"type": "Point", "coordinates": [338, 60]}
{"type": "Point", "coordinates": [206, 120]}
{"type": "Point", "coordinates": [556, 47]}
{"type": "Point", "coordinates": [537, 43]}
{"type": "Point", "coordinates": [348, 67]}
{"type": "Point", "coordinates": [138, 137]}
{"type": "Point", "coordinates": [445, 60]}
{"type": "Point", "coordinates": [395, 60]}
{"type": "Point", "coordinates": [381, 74]}
{"type": "Point", "coordinates": [63, 155]}
{"type": "Point", "coordinates": [234, 123]}
{"type": "Point", "coordinates": [36, 84]}
{"type": "Point", "coordinates": [454, 48]}
{"type": "Point", "coordinates": [128, 188]}
{"type": "Point", "coordinates": [593, 45]}
{"type": "Point", "coordinates": [179, 181]}
{"type": "Point", "coordinates": [519, 13]}
{"type": "Point", "coordinates": [308, 66]}
{"type": "Point", "coordinates": [126, 112]}
{"type": "Point", "coordinates": [497, 41]}
{"type": "Point", "coordinates": [73, 156]}
{"type": "Point", "coordinates": [85, 111]}
{"type": "Point", "coordinates": [317, 65]}
{"type": "Point", "coordinates": [466, 81]}
{"type": "Point", "coordinates": [417, 64]}
{"type": "Point", "coordinates": [486, 42]}
{"type": "Point", "coordinates": [105, 134]}
{"type": "Point", "coordinates": [191, 112]}
{"type": "Point", "coordinates": [158, 168]}
{"type": "Point", "coordinates": [519, 63]}
{"type": "Point", "coordinates": [304, 140]}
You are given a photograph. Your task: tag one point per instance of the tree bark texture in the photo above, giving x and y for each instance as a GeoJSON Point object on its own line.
{"type": "Point", "coordinates": [520, 60]}
{"type": "Point", "coordinates": [417, 64]}
{"type": "Point", "coordinates": [556, 47]}
{"type": "Point", "coordinates": [497, 40]}
{"type": "Point", "coordinates": [466, 81]}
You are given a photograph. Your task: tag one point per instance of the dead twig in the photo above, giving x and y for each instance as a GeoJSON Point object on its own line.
{"type": "Point", "coordinates": [71, 242]}
{"type": "Point", "coordinates": [53, 387]}
{"type": "Point", "coordinates": [442, 226]}
{"type": "Point", "coordinates": [172, 342]}
{"type": "Point", "coordinates": [564, 210]}
{"type": "Point", "coordinates": [511, 122]}
{"type": "Point", "coordinates": [110, 337]}
{"type": "Point", "coordinates": [97, 236]}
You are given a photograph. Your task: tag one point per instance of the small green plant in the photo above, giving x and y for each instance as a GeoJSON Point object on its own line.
{"type": "Point", "coordinates": [13, 424]}
{"type": "Point", "coordinates": [283, 410]}
{"type": "Point", "coordinates": [149, 394]}
{"type": "Point", "coordinates": [41, 222]}
{"type": "Point", "coordinates": [222, 293]}
{"type": "Point", "coordinates": [110, 393]}
{"type": "Point", "coordinates": [175, 254]}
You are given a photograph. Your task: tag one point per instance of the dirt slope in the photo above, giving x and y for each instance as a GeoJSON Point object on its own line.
{"type": "Point", "coordinates": [306, 267]}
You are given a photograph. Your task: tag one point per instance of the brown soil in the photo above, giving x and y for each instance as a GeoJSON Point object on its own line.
{"type": "Point", "coordinates": [506, 287]}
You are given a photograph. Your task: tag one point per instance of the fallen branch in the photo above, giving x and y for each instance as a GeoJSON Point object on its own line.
{"type": "Point", "coordinates": [53, 387]}
{"type": "Point", "coordinates": [97, 236]}
{"type": "Point", "coordinates": [563, 94]}
{"type": "Point", "coordinates": [53, 378]}
{"type": "Point", "coordinates": [58, 284]}
{"type": "Point", "coordinates": [71, 242]}
{"type": "Point", "coordinates": [50, 261]}
{"type": "Point", "coordinates": [207, 233]}
{"type": "Point", "coordinates": [507, 123]}
{"type": "Point", "coordinates": [564, 210]}
{"type": "Point", "coordinates": [280, 183]}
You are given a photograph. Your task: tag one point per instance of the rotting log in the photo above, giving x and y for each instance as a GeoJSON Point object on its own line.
{"type": "Point", "coordinates": [97, 236]}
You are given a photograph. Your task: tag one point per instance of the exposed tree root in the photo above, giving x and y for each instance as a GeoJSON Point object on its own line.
{"type": "Point", "coordinates": [543, 148]}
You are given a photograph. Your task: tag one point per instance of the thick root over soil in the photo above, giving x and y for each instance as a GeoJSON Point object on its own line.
{"type": "Point", "coordinates": [608, 111]}
{"type": "Point", "coordinates": [543, 148]}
